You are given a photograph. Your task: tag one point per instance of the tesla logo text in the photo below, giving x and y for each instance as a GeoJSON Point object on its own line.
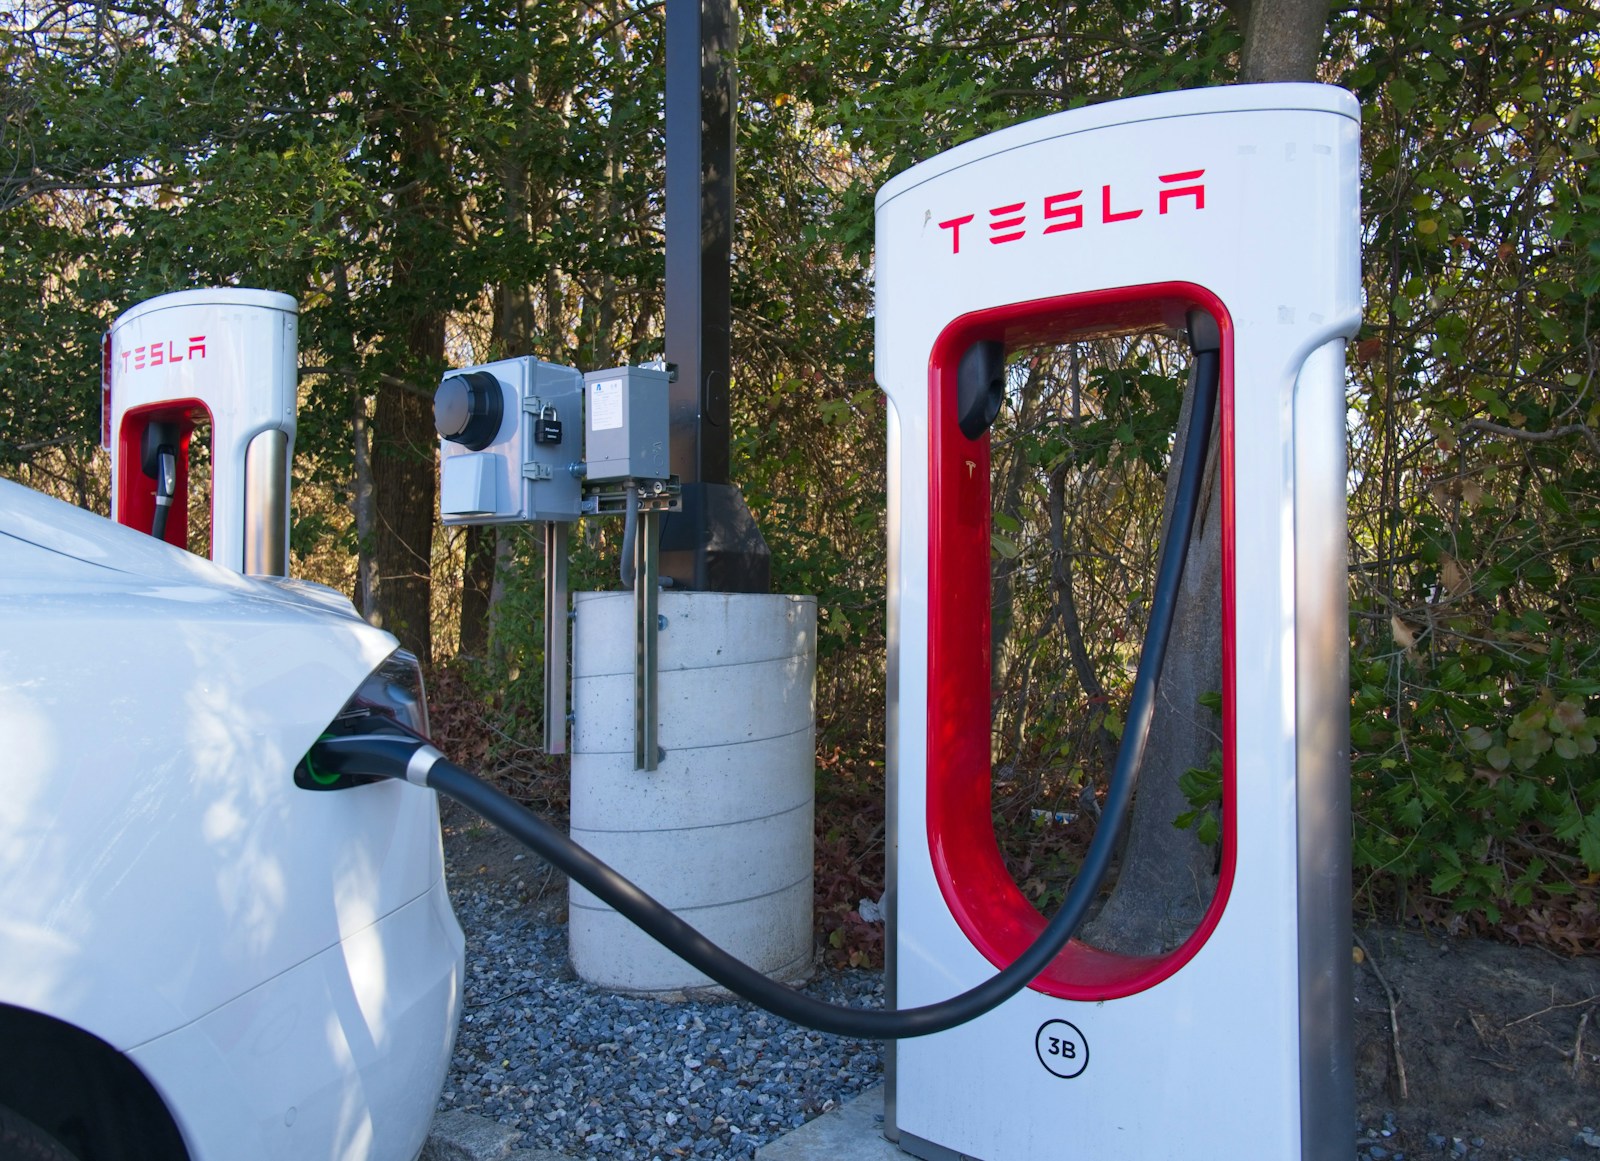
{"type": "Point", "coordinates": [159, 354]}
{"type": "Point", "coordinates": [1065, 210]}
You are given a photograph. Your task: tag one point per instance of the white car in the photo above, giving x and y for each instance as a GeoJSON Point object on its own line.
{"type": "Point", "coordinates": [198, 957]}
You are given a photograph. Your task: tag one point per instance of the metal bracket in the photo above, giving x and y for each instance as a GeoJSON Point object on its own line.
{"type": "Point", "coordinates": [555, 637]}
{"type": "Point", "coordinates": [662, 365]}
{"type": "Point", "coordinates": [533, 470]}
{"type": "Point", "coordinates": [611, 499]}
{"type": "Point", "coordinates": [646, 599]}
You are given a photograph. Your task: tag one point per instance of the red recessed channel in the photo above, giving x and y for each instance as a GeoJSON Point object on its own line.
{"type": "Point", "coordinates": [980, 893]}
{"type": "Point", "coordinates": [136, 492]}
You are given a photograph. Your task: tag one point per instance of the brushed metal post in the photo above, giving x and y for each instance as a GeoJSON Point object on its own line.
{"type": "Point", "coordinates": [266, 505]}
{"type": "Point", "coordinates": [1322, 758]}
{"type": "Point", "coordinates": [892, 779]}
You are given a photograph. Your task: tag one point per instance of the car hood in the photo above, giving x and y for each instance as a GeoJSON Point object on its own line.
{"type": "Point", "coordinates": [44, 541]}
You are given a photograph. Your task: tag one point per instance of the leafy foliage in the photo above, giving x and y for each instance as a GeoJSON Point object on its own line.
{"type": "Point", "coordinates": [1474, 468]}
{"type": "Point", "coordinates": [447, 182]}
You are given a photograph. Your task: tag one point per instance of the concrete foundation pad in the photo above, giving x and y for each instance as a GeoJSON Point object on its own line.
{"type": "Point", "coordinates": [851, 1132]}
{"type": "Point", "coordinates": [459, 1136]}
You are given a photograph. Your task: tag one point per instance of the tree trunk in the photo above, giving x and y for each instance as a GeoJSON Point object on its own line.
{"type": "Point", "coordinates": [513, 338]}
{"type": "Point", "coordinates": [1282, 39]}
{"type": "Point", "coordinates": [403, 450]}
{"type": "Point", "coordinates": [362, 507]}
{"type": "Point", "coordinates": [477, 589]}
{"type": "Point", "coordinates": [404, 441]}
{"type": "Point", "coordinates": [1165, 877]}
{"type": "Point", "coordinates": [364, 510]}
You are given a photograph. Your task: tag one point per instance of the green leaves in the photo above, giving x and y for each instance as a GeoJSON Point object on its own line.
{"type": "Point", "coordinates": [1589, 843]}
{"type": "Point", "coordinates": [1471, 523]}
{"type": "Point", "coordinates": [1202, 787]}
{"type": "Point", "coordinates": [1461, 824]}
{"type": "Point", "coordinates": [279, 144]}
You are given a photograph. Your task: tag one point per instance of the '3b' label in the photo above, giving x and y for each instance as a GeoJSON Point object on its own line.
{"type": "Point", "coordinates": [1061, 1048]}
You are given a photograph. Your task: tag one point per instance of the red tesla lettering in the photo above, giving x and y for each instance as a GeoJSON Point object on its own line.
{"type": "Point", "coordinates": [1198, 192]}
{"type": "Point", "coordinates": [954, 226]}
{"type": "Point", "coordinates": [1106, 214]}
{"type": "Point", "coordinates": [1056, 206]}
{"type": "Point", "coordinates": [157, 354]}
{"type": "Point", "coordinates": [1007, 217]}
{"type": "Point", "coordinates": [1065, 211]}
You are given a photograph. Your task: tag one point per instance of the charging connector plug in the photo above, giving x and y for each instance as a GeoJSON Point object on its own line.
{"type": "Point", "coordinates": [158, 457]}
{"type": "Point", "coordinates": [347, 760]}
{"type": "Point", "coordinates": [376, 734]}
{"type": "Point", "coordinates": [166, 489]}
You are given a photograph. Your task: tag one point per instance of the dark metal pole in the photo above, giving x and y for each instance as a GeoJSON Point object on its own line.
{"type": "Point", "coordinates": [713, 543]}
{"type": "Point", "coordinates": [700, 190]}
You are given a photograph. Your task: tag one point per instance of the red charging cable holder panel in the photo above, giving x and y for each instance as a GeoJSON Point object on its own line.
{"type": "Point", "coordinates": [981, 895]}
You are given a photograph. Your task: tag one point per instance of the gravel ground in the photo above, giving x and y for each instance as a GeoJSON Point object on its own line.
{"type": "Point", "coordinates": [590, 1074]}
{"type": "Point", "coordinates": [1490, 1035]}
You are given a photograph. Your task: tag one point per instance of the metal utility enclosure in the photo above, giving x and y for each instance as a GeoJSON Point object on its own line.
{"type": "Point", "coordinates": [1241, 203]}
{"type": "Point", "coordinates": [511, 452]}
{"type": "Point", "coordinates": [516, 442]}
{"type": "Point", "coordinates": [625, 424]}
{"type": "Point", "coordinates": [227, 358]}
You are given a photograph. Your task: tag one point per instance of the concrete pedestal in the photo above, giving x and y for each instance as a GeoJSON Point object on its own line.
{"type": "Point", "coordinates": [722, 832]}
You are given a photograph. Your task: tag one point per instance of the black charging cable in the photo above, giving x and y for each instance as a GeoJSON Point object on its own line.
{"type": "Point", "coordinates": [396, 755]}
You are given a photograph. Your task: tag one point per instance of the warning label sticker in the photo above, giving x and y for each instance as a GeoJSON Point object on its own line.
{"type": "Point", "coordinates": [605, 405]}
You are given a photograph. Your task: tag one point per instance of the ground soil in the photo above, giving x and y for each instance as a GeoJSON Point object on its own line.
{"type": "Point", "coordinates": [1499, 1045]}
{"type": "Point", "coordinates": [1496, 1043]}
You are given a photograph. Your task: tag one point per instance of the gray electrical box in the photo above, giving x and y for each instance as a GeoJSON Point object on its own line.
{"type": "Point", "coordinates": [511, 445]}
{"type": "Point", "coordinates": [625, 424]}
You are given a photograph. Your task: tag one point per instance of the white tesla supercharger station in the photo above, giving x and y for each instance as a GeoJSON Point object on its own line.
{"type": "Point", "coordinates": [227, 358]}
{"type": "Point", "coordinates": [1241, 202]}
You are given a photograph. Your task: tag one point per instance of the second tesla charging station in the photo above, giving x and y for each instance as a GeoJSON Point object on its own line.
{"type": "Point", "coordinates": [223, 358]}
{"type": "Point", "coordinates": [1241, 203]}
